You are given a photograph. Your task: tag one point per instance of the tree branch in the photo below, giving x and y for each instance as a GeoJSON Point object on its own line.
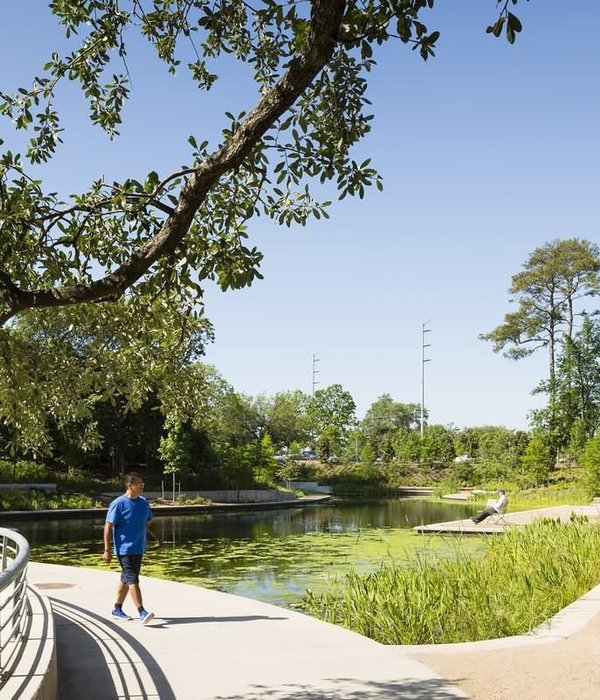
{"type": "Point", "coordinates": [326, 17]}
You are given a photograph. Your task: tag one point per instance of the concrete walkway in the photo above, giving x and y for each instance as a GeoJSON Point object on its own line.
{"type": "Point", "coordinates": [209, 645]}
{"type": "Point", "coordinates": [516, 518]}
{"type": "Point", "coordinates": [559, 661]}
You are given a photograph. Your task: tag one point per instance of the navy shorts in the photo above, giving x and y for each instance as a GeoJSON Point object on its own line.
{"type": "Point", "coordinates": [130, 568]}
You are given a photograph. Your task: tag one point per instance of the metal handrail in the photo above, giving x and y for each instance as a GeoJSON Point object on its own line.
{"type": "Point", "coordinates": [14, 610]}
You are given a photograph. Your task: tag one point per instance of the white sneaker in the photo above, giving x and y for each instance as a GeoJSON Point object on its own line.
{"type": "Point", "coordinates": [146, 616]}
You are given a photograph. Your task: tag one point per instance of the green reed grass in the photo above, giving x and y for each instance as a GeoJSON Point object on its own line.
{"type": "Point", "coordinates": [540, 497]}
{"type": "Point", "coordinates": [527, 575]}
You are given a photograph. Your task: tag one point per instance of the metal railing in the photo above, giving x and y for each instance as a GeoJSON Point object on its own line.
{"type": "Point", "coordinates": [14, 610]}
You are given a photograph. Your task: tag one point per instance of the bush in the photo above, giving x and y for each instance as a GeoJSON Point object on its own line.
{"type": "Point", "coordinates": [23, 471]}
{"type": "Point", "coordinates": [464, 472]}
{"type": "Point", "coordinates": [590, 459]}
{"type": "Point", "coordinates": [12, 499]}
{"type": "Point", "coordinates": [414, 474]}
{"type": "Point", "coordinates": [182, 501]}
{"type": "Point", "coordinates": [447, 485]}
{"type": "Point", "coordinates": [537, 461]}
{"type": "Point", "coordinates": [357, 473]}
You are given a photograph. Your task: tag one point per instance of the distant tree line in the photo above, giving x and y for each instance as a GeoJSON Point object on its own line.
{"type": "Point", "coordinates": [237, 441]}
{"type": "Point", "coordinates": [77, 394]}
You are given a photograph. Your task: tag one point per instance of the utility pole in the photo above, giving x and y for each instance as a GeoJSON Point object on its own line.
{"type": "Point", "coordinates": [315, 371]}
{"type": "Point", "coordinates": [423, 361]}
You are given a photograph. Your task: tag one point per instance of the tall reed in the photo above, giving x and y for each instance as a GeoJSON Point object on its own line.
{"type": "Point", "coordinates": [527, 575]}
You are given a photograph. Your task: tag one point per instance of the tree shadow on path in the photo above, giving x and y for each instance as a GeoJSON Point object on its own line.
{"type": "Point", "coordinates": [98, 661]}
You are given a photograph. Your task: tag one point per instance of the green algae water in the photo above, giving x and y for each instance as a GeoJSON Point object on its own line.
{"type": "Point", "coordinates": [270, 555]}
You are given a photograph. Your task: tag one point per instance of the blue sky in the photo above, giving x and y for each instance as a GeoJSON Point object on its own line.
{"type": "Point", "coordinates": [487, 151]}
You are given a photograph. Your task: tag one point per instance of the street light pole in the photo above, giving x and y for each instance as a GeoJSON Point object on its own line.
{"type": "Point", "coordinates": [315, 371]}
{"type": "Point", "coordinates": [423, 361]}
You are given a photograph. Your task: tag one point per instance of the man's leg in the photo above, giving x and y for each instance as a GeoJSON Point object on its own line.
{"type": "Point", "coordinates": [136, 595]}
{"type": "Point", "coordinates": [132, 565]}
{"type": "Point", "coordinates": [483, 515]}
{"type": "Point", "coordinates": [135, 563]}
{"type": "Point", "coordinates": [130, 568]}
{"type": "Point", "coordinates": [122, 591]}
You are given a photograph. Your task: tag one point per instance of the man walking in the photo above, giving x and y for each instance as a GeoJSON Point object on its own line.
{"type": "Point", "coordinates": [128, 519]}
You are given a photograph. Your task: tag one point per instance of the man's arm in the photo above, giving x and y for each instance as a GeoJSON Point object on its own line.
{"type": "Point", "coordinates": [108, 528]}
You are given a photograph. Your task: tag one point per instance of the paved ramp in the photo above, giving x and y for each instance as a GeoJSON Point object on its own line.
{"type": "Point", "coordinates": [207, 645]}
{"type": "Point", "coordinates": [516, 519]}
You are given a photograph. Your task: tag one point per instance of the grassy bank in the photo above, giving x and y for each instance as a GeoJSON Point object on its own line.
{"type": "Point", "coordinates": [522, 499]}
{"type": "Point", "coordinates": [527, 576]}
{"type": "Point", "coordinates": [37, 500]}
{"type": "Point", "coordinates": [546, 496]}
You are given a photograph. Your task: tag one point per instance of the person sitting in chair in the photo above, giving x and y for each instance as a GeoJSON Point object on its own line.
{"type": "Point", "coordinates": [498, 507]}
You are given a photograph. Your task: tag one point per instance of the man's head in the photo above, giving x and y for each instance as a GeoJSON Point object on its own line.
{"type": "Point", "coordinates": [134, 483]}
{"type": "Point", "coordinates": [501, 492]}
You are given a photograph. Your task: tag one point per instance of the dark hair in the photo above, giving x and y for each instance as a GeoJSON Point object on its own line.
{"type": "Point", "coordinates": [501, 491]}
{"type": "Point", "coordinates": [131, 477]}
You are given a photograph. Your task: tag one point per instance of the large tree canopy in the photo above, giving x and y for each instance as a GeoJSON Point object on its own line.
{"type": "Point", "coordinates": [554, 281]}
{"type": "Point", "coordinates": [57, 367]}
{"type": "Point", "coordinates": [384, 419]}
{"type": "Point", "coordinates": [550, 291]}
{"type": "Point", "coordinates": [142, 249]}
{"type": "Point", "coordinates": [175, 230]}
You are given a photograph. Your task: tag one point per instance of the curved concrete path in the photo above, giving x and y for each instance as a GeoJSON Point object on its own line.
{"type": "Point", "coordinates": [559, 660]}
{"type": "Point", "coordinates": [209, 645]}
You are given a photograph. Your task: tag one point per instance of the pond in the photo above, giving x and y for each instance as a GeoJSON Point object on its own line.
{"type": "Point", "coordinates": [270, 555]}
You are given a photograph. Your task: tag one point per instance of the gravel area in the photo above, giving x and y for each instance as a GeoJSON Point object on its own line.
{"type": "Point", "coordinates": [563, 670]}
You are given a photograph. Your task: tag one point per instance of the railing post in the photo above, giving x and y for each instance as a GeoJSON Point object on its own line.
{"type": "Point", "coordinates": [3, 552]}
{"type": "Point", "coordinates": [2, 603]}
{"type": "Point", "coordinates": [14, 607]}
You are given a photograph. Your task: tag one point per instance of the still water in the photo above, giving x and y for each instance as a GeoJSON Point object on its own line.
{"type": "Point", "coordinates": [270, 555]}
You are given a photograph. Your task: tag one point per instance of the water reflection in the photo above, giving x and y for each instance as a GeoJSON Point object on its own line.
{"type": "Point", "coordinates": [272, 555]}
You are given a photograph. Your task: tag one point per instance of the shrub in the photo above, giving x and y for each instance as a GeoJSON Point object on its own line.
{"type": "Point", "coordinates": [12, 499]}
{"type": "Point", "coordinates": [357, 473]}
{"type": "Point", "coordinates": [590, 459]}
{"type": "Point", "coordinates": [22, 471]}
{"type": "Point", "coordinates": [447, 485]}
{"type": "Point", "coordinates": [537, 461]}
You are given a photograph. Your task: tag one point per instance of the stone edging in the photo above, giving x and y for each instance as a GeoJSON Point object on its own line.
{"type": "Point", "coordinates": [163, 510]}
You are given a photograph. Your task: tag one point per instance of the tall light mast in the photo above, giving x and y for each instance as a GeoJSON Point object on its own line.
{"type": "Point", "coordinates": [424, 345]}
{"type": "Point", "coordinates": [315, 371]}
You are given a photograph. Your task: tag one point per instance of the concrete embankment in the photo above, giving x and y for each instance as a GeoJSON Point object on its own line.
{"type": "Point", "coordinates": [166, 509]}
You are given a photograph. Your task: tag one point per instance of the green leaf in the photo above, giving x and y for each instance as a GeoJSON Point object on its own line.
{"type": "Point", "coordinates": [514, 22]}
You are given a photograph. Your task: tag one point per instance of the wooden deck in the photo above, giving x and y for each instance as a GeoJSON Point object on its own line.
{"type": "Point", "coordinates": [516, 519]}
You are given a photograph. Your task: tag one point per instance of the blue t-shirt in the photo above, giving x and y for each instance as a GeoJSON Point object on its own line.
{"type": "Point", "coordinates": [129, 517]}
